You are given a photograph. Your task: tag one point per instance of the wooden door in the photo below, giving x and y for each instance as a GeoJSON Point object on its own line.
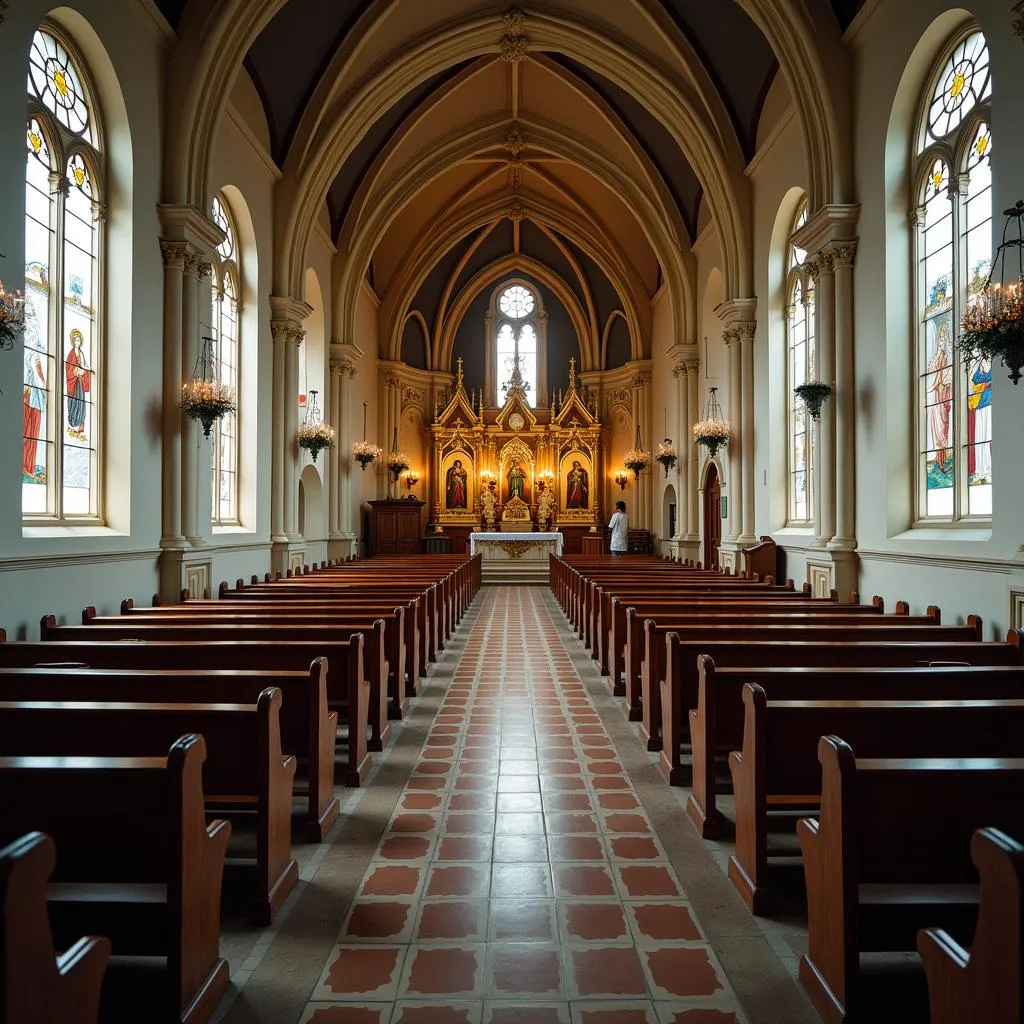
{"type": "Point", "coordinates": [712, 517]}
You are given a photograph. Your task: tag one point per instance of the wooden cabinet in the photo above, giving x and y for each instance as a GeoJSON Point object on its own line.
{"type": "Point", "coordinates": [593, 544]}
{"type": "Point", "coordinates": [395, 526]}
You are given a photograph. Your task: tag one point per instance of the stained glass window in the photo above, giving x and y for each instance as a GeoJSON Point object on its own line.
{"type": "Point", "coordinates": [225, 321]}
{"type": "Point", "coordinates": [516, 336]}
{"type": "Point", "coordinates": [61, 419]}
{"type": "Point", "coordinates": [953, 204]}
{"type": "Point", "coordinates": [799, 369]}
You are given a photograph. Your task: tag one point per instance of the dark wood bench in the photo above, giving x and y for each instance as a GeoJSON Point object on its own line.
{"type": "Point", "coordinates": [246, 770]}
{"type": "Point", "coordinates": [777, 770]}
{"type": "Point", "coordinates": [350, 695]}
{"type": "Point", "coordinates": [137, 864]}
{"type": "Point", "coordinates": [875, 628]}
{"type": "Point", "coordinates": [984, 983]}
{"type": "Point", "coordinates": [716, 724]}
{"type": "Point", "coordinates": [887, 856]}
{"type": "Point", "coordinates": [679, 688]}
{"type": "Point", "coordinates": [37, 984]}
{"type": "Point", "coordinates": [307, 725]}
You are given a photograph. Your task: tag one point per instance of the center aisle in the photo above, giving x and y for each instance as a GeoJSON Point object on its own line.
{"type": "Point", "coordinates": [519, 878]}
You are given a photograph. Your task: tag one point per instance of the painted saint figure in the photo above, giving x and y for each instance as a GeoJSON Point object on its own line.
{"type": "Point", "coordinates": [516, 482]}
{"type": "Point", "coordinates": [455, 486]}
{"type": "Point", "coordinates": [32, 414]}
{"type": "Point", "coordinates": [940, 383]}
{"type": "Point", "coordinates": [76, 372]}
{"type": "Point", "coordinates": [979, 403]}
{"type": "Point", "coordinates": [577, 487]}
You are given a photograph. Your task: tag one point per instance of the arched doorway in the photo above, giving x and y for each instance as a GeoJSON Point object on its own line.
{"type": "Point", "coordinates": [712, 517]}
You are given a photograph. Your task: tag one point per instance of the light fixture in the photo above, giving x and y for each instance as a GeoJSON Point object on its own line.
{"type": "Point", "coordinates": [993, 323]}
{"type": "Point", "coordinates": [204, 398]}
{"type": "Point", "coordinates": [412, 478]}
{"type": "Point", "coordinates": [636, 458]}
{"type": "Point", "coordinates": [621, 478]}
{"type": "Point", "coordinates": [711, 430]}
{"type": "Point", "coordinates": [314, 435]}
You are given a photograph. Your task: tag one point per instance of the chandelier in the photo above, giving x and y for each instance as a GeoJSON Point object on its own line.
{"type": "Point", "coordinates": [711, 430]}
{"type": "Point", "coordinates": [314, 435]}
{"type": "Point", "coordinates": [993, 323]}
{"type": "Point", "coordinates": [204, 398]}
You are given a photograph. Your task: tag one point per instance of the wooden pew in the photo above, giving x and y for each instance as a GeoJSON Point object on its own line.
{"type": "Point", "coordinates": [716, 724]}
{"type": "Point", "coordinates": [38, 985]}
{"type": "Point", "coordinates": [355, 698]}
{"type": "Point", "coordinates": [308, 727]}
{"type": "Point", "coordinates": [245, 770]}
{"type": "Point", "coordinates": [777, 769]}
{"type": "Point", "coordinates": [876, 628]}
{"type": "Point", "coordinates": [137, 863]}
{"type": "Point", "coordinates": [983, 984]}
{"type": "Point", "coordinates": [679, 688]}
{"type": "Point", "coordinates": [888, 855]}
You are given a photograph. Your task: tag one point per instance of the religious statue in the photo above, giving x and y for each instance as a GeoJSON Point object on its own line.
{"type": "Point", "coordinates": [488, 505]}
{"type": "Point", "coordinates": [455, 486]}
{"type": "Point", "coordinates": [516, 482]}
{"type": "Point", "coordinates": [545, 508]}
{"type": "Point", "coordinates": [577, 493]}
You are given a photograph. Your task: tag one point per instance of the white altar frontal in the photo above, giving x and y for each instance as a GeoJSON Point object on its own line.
{"type": "Point", "coordinates": [515, 557]}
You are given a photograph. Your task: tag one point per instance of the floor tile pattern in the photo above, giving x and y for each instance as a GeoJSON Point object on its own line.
{"type": "Point", "coordinates": [519, 878]}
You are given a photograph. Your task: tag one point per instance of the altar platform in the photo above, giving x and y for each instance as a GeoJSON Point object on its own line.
{"type": "Point", "coordinates": [519, 557]}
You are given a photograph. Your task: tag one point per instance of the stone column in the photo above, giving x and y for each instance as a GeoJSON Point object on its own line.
{"type": "Point", "coordinates": [745, 334]}
{"type": "Point", "coordinates": [823, 271]}
{"type": "Point", "coordinates": [736, 454]}
{"type": "Point", "coordinates": [292, 526]}
{"type": "Point", "coordinates": [174, 254]}
{"type": "Point", "coordinates": [391, 412]}
{"type": "Point", "coordinates": [641, 415]}
{"type": "Point", "coordinates": [279, 332]}
{"type": "Point", "coordinates": [197, 267]}
{"type": "Point", "coordinates": [844, 397]}
{"type": "Point", "coordinates": [345, 375]}
{"type": "Point", "coordinates": [336, 462]}
{"type": "Point", "coordinates": [692, 386]}
{"type": "Point", "coordinates": [681, 373]}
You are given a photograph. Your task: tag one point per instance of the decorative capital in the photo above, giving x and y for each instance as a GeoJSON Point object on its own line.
{"type": "Point", "coordinates": [59, 184]}
{"type": "Point", "coordinates": [1018, 22]}
{"type": "Point", "coordinates": [641, 380]}
{"type": "Point", "coordinates": [174, 254]}
{"type": "Point", "coordinates": [287, 331]}
{"type": "Point", "coordinates": [391, 381]}
{"type": "Point", "coordinates": [204, 266]}
{"type": "Point", "coordinates": [342, 368]}
{"type": "Point", "coordinates": [514, 44]}
{"type": "Point", "coordinates": [412, 396]}
{"type": "Point", "coordinates": [745, 330]}
{"type": "Point", "coordinates": [99, 210]}
{"type": "Point", "coordinates": [827, 261]}
{"type": "Point", "coordinates": [843, 253]}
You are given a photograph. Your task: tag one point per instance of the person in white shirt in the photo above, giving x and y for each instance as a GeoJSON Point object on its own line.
{"type": "Point", "coordinates": [619, 526]}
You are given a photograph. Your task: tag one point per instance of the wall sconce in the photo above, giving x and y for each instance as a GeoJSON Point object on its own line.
{"type": "Point", "coordinates": [412, 478]}
{"type": "Point", "coordinates": [621, 478]}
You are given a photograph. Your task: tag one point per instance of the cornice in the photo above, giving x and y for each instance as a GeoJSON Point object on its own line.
{"type": "Point", "coordinates": [834, 222]}
{"type": "Point", "coordinates": [1003, 566]}
{"type": "Point", "coordinates": [189, 224]}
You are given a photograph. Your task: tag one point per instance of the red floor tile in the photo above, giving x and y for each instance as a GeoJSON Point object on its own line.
{"type": "Point", "coordinates": [392, 881]}
{"type": "Point", "coordinates": [590, 922]}
{"type": "Point", "coordinates": [524, 969]}
{"type": "Point", "coordinates": [520, 849]}
{"type": "Point", "coordinates": [664, 922]}
{"type": "Point", "coordinates": [634, 848]}
{"type": "Point", "coordinates": [464, 848]}
{"type": "Point", "coordinates": [607, 971]}
{"type": "Point", "coordinates": [468, 880]}
{"type": "Point", "coordinates": [522, 921]}
{"type": "Point", "coordinates": [681, 971]}
{"type": "Point", "coordinates": [452, 920]}
{"type": "Point", "coordinates": [407, 822]}
{"type": "Point", "coordinates": [521, 881]}
{"type": "Point", "coordinates": [443, 970]}
{"type": "Point", "coordinates": [648, 881]}
{"type": "Point", "coordinates": [575, 847]}
{"type": "Point", "coordinates": [404, 848]}
{"type": "Point", "coordinates": [378, 919]}
{"type": "Point", "coordinates": [363, 971]}
{"type": "Point", "coordinates": [582, 880]}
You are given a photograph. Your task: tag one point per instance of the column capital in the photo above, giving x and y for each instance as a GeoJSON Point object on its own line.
{"type": "Point", "coordinates": [843, 253]}
{"type": "Point", "coordinates": [59, 183]}
{"type": "Point", "coordinates": [287, 331]}
{"type": "Point", "coordinates": [392, 381]}
{"type": "Point", "coordinates": [342, 368]}
{"type": "Point", "coordinates": [174, 254]}
{"type": "Point", "coordinates": [686, 367]}
{"type": "Point", "coordinates": [640, 381]}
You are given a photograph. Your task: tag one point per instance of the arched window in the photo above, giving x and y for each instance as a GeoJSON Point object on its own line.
{"type": "Point", "coordinates": [64, 288]}
{"type": "Point", "coordinates": [953, 216]}
{"type": "Point", "coordinates": [800, 355]}
{"type": "Point", "coordinates": [515, 333]}
{"type": "Point", "coordinates": [226, 318]}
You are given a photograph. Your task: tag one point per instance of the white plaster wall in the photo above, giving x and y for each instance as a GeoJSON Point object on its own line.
{"type": "Point", "coordinates": [664, 409]}
{"type": "Point", "coordinates": [60, 571]}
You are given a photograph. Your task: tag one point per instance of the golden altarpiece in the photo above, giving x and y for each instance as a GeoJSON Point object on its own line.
{"type": "Point", "coordinates": [515, 468]}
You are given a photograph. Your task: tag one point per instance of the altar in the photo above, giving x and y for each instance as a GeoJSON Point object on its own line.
{"type": "Point", "coordinates": [515, 557]}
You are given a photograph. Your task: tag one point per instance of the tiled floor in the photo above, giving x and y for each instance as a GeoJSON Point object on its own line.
{"type": "Point", "coordinates": [519, 877]}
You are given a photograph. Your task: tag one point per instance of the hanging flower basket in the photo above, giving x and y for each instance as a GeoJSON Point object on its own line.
{"type": "Point", "coordinates": [637, 460]}
{"type": "Point", "coordinates": [207, 401]}
{"type": "Point", "coordinates": [314, 437]}
{"type": "Point", "coordinates": [712, 434]}
{"type": "Point", "coordinates": [667, 455]}
{"type": "Point", "coordinates": [12, 317]}
{"type": "Point", "coordinates": [364, 453]}
{"type": "Point", "coordinates": [397, 463]}
{"type": "Point", "coordinates": [813, 394]}
{"type": "Point", "coordinates": [993, 323]}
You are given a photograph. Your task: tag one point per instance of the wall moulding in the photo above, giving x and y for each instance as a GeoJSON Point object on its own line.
{"type": "Point", "coordinates": [63, 561]}
{"type": "Point", "coordinates": [1005, 566]}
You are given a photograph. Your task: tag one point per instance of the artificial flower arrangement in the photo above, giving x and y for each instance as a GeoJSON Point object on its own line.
{"type": "Point", "coordinates": [667, 454]}
{"type": "Point", "coordinates": [12, 317]}
{"type": "Point", "coordinates": [813, 394]}
{"type": "Point", "coordinates": [206, 401]}
{"type": "Point", "coordinates": [712, 434]}
{"type": "Point", "coordinates": [397, 463]}
{"type": "Point", "coordinates": [364, 453]}
{"type": "Point", "coordinates": [993, 328]}
{"type": "Point", "coordinates": [314, 437]}
{"type": "Point", "coordinates": [637, 460]}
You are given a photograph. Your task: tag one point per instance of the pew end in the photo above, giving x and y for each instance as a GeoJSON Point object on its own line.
{"type": "Point", "coordinates": [127, 605]}
{"type": "Point", "coordinates": [40, 985]}
{"type": "Point", "coordinates": [985, 982]}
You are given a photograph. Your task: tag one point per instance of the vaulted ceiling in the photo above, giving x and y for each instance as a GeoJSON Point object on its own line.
{"type": "Point", "coordinates": [571, 116]}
